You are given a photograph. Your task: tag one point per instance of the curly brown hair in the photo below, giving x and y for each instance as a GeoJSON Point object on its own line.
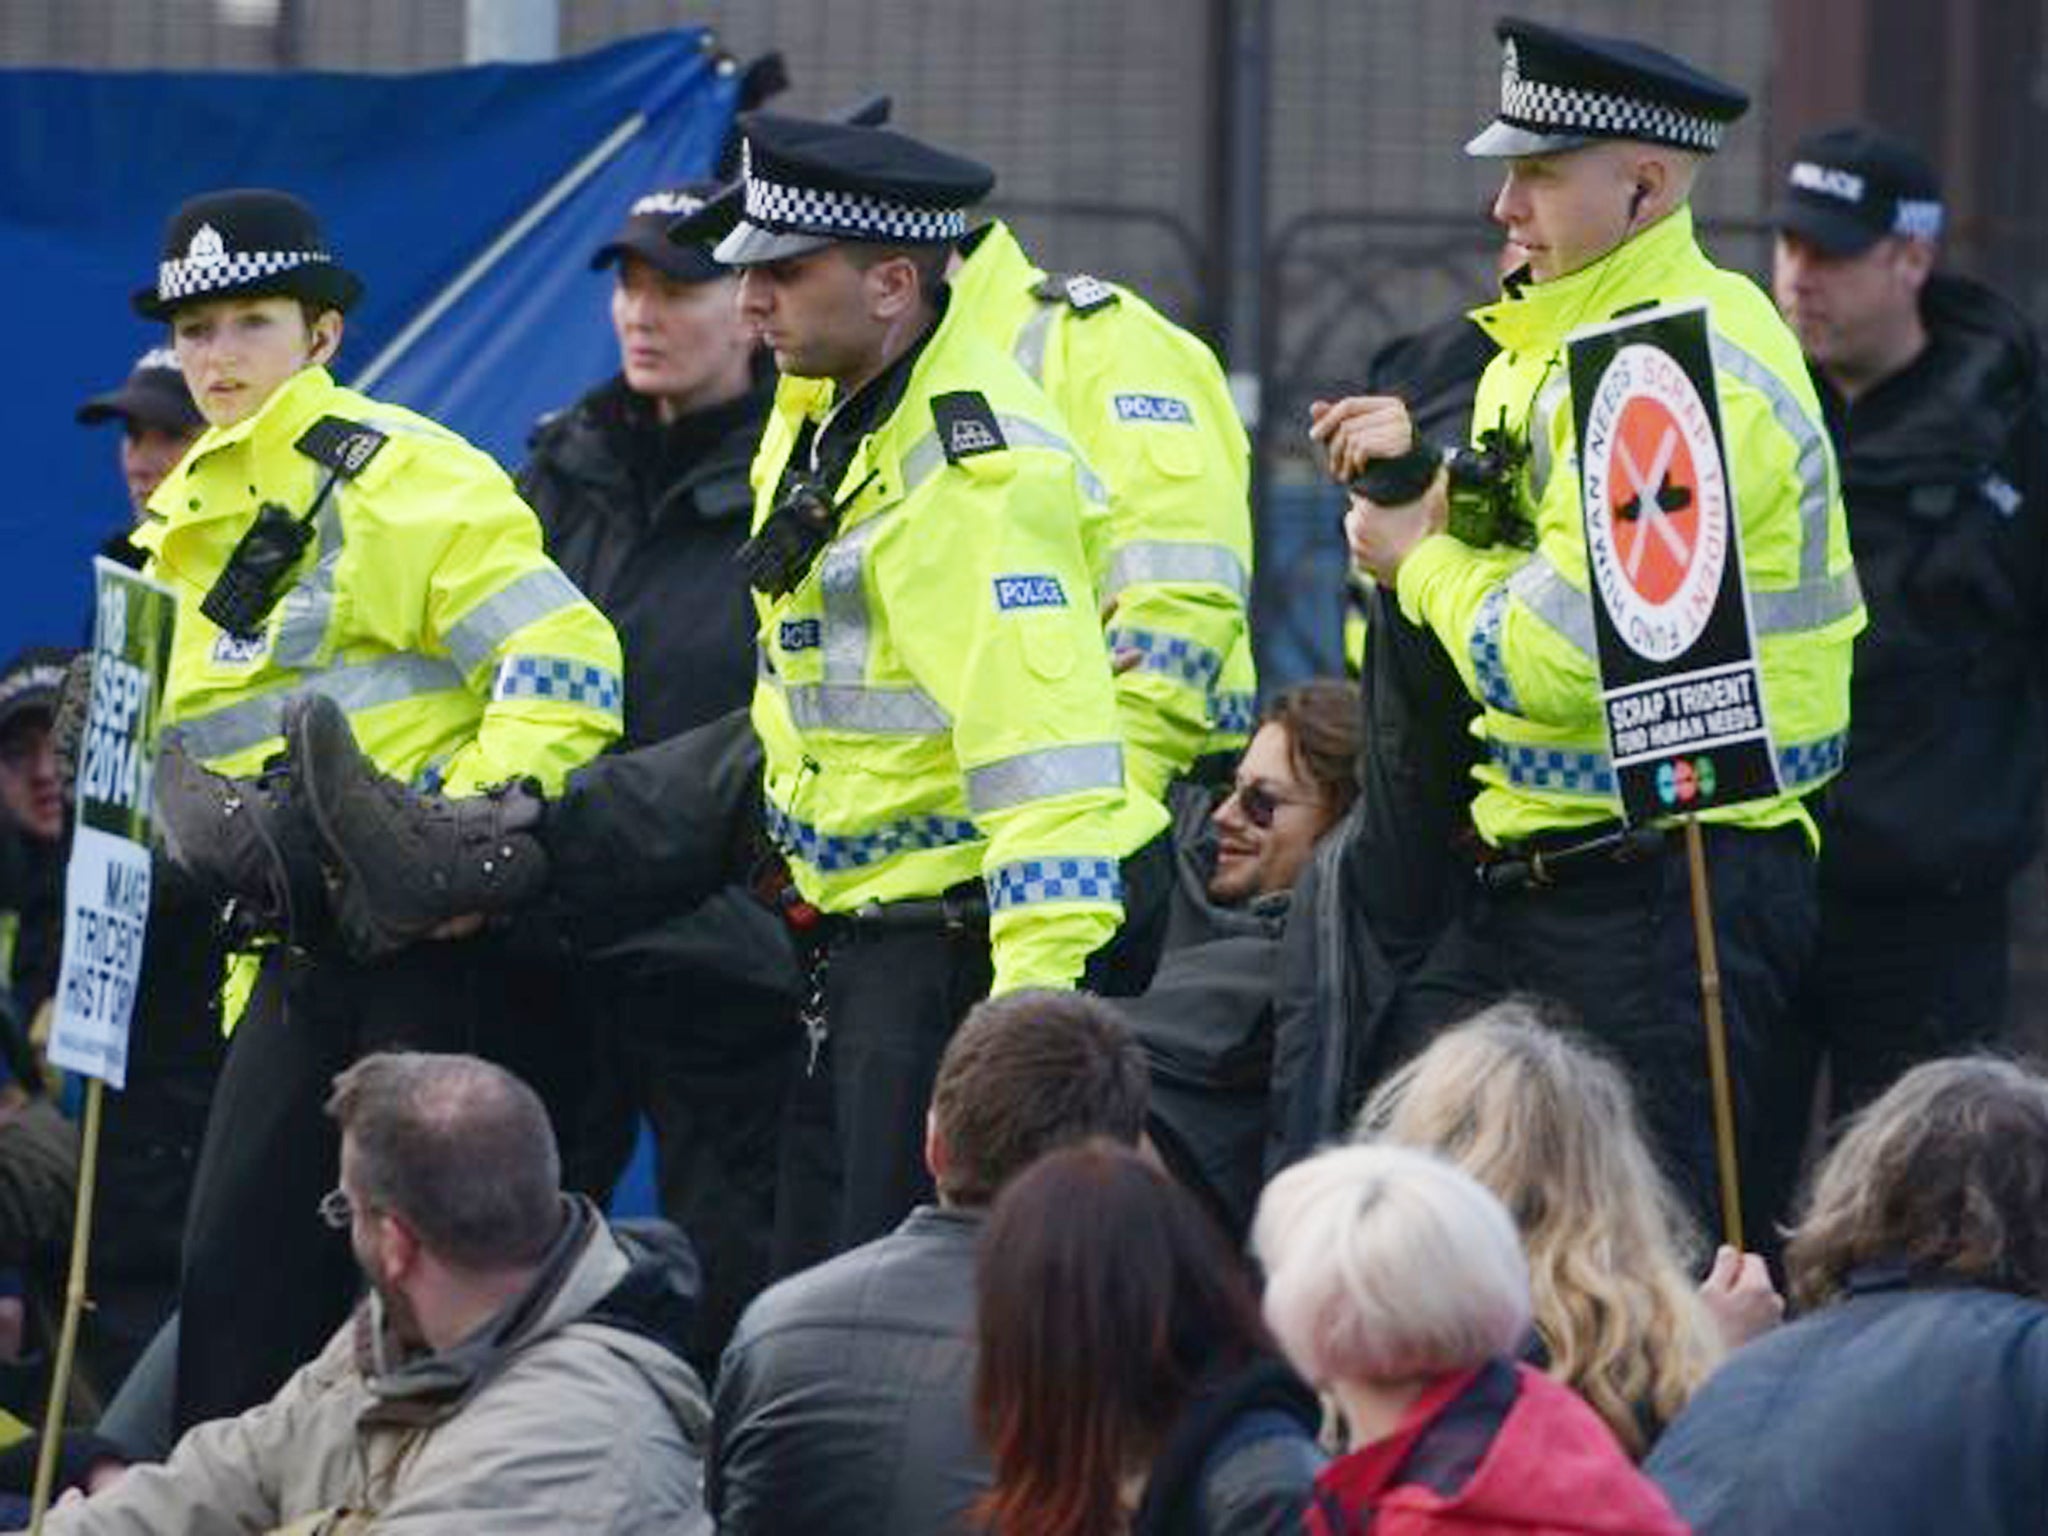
{"type": "Point", "coordinates": [1946, 1173]}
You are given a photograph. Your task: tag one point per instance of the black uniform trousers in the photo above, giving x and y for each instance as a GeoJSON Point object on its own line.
{"type": "Point", "coordinates": [708, 1061]}
{"type": "Point", "coordinates": [1902, 980]}
{"type": "Point", "coordinates": [854, 1159]}
{"type": "Point", "coordinates": [1614, 940]}
{"type": "Point", "coordinates": [266, 1282]}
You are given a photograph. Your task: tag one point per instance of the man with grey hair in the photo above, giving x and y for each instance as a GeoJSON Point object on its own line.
{"type": "Point", "coordinates": [515, 1368]}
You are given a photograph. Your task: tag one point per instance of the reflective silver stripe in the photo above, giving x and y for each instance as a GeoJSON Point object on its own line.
{"type": "Point", "coordinates": [1547, 402]}
{"type": "Point", "coordinates": [1540, 587]}
{"type": "Point", "coordinates": [307, 611]}
{"type": "Point", "coordinates": [237, 727]}
{"type": "Point", "coordinates": [1019, 432]}
{"type": "Point", "coordinates": [855, 707]}
{"type": "Point", "coordinates": [1043, 774]}
{"type": "Point", "coordinates": [1810, 439]}
{"type": "Point", "coordinates": [926, 457]}
{"type": "Point", "coordinates": [845, 598]}
{"type": "Point", "coordinates": [1029, 352]}
{"type": "Point", "coordinates": [1157, 560]}
{"type": "Point", "coordinates": [1813, 606]}
{"type": "Point", "coordinates": [529, 598]}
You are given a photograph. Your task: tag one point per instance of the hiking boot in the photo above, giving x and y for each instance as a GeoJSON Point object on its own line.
{"type": "Point", "coordinates": [244, 843]}
{"type": "Point", "coordinates": [402, 864]}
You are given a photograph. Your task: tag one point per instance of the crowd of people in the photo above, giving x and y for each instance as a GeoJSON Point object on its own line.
{"type": "Point", "coordinates": [1086, 1098]}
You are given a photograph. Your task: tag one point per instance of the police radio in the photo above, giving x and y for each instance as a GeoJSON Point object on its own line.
{"type": "Point", "coordinates": [1479, 479]}
{"type": "Point", "coordinates": [777, 558]}
{"type": "Point", "coordinates": [258, 573]}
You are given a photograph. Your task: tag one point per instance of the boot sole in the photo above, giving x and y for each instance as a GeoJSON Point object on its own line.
{"type": "Point", "coordinates": [304, 761]}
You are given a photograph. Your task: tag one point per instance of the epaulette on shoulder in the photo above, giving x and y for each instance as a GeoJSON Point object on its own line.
{"type": "Point", "coordinates": [1080, 292]}
{"type": "Point", "coordinates": [344, 446]}
{"type": "Point", "coordinates": [967, 425]}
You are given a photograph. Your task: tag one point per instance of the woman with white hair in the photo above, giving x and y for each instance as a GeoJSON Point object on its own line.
{"type": "Point", "coordinates": [1395, 1283]}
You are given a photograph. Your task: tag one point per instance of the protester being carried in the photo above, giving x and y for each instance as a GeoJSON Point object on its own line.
{"type": "Point", "coordinates": [1550, 1126]}
{"type": "Point", "coordinates": [1914, 1395]}
{"type": "Point", "coordinates": [1207, 1019]}
{"type": "Point", "coordinates": [1395, 1283]}
{"type": "Point", "coordinates": [1126, 1382]}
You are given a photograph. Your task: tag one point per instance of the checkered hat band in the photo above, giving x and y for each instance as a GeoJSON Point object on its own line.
{"type": "Point", "coordinates": [184, 278]}
{"type": "Point", "coordinates": [1543, 107]}
{"type": "Point", "coordinates": [852, 215]}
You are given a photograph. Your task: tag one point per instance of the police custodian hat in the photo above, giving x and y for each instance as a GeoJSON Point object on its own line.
{"type": "Point", "coordinates": [240, 243]}
{"type": "Point", "coordinates": [810, 184]}
{"type": "Point", "coordinates": [1561, 89]}
{"type": "Point", "coordinates": [645, 234]}
{"type": "Point", "coordinates": [153, 395]}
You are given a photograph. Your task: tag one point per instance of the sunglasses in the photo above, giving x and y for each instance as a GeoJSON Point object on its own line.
{"type": "Point", "coordinates": [1259, 804]}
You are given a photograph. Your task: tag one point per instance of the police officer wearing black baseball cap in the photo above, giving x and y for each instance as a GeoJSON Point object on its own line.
{"type": "Point", "coordinates": [642, 491]}
{"type": "Point", "coordinates": [158, 423]}
{"type": "Point", "coordinates": [1932, 384]}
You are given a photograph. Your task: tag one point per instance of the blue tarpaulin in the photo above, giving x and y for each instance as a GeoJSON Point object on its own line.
{"type": "Point", "coordinates": [509, 175]}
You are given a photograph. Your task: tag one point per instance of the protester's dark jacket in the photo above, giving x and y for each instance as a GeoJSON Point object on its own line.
{"type": "Point", "coordinates": [1895, 1410]}
{"type": "Point", "coordinates": [1502, 1451]}
{"type": "Point", "coordinates": [1335, 1000]}
{"type": "Point", "coordinates": [644, 518]}
{"type": "Point", "coordinates": [1945, 476]}
{"type": "Point", "coordinates": [1240, 1461]}
{"type": "Point", "coordinates": [843, 1401]}
{"type": "Point", "coordinates": [1206, 1024]}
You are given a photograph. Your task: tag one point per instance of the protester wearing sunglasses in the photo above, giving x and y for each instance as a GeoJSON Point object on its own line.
{"type": "Point", "coordinates": [1293, 782]}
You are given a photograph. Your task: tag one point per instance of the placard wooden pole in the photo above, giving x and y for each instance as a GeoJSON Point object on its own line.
{"type": "Point", "coordinates": [1717, 1037]}
{"type": "Point", "coordinates": [74, 1307]}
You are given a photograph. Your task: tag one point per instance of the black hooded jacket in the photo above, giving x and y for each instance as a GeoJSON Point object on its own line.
{"type": "Point", "coordinates": [645, 518]}
{"type": "Point", "coordinates": [1945, 476]}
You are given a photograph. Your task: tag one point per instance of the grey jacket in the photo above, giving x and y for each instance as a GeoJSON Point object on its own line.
{"type": "Point", "coordinates": [843, 1401]}
{"type": "Point", "coordinates": [564, 1413]}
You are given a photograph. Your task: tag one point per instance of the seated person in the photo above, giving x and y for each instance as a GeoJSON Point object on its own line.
{"type": "Point", "coordinates": [843, 1400]}
{"type": "Point", "coordinates": [1548, 1123]}
{"type": "Point", "coordinates": [1913, 1395]}
{"type": "Point", "coordinates": [515, 1368]}
{"type": "Point", "coordinates": [1126, 1382]}
{"type": "Point", "coordinates": [1206, 1020]}
{"type": "Point", "coordinates": [1395, 1283]}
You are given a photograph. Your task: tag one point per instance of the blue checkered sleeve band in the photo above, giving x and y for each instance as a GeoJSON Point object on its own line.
{"type": "Point", "coordinates": [1489, 666]}
{"type": "Point", "coordinates": [831, 852]}
{"type": "Point", "coordinates": [1233, 714]}
{"type": "Point", "coordinates": [1806, 763]}
{"type": "Point", "coordinates": [1801, 766]}
{"type": "Point", "coordinates": [560, 679]}
{"type": "Point", "coordinates": [1174, 655]}
{"type": "Point", "coordinates": [1032, 882]}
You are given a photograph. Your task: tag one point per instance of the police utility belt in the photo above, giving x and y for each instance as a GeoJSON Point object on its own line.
{"type": "Point", "coordinates": [961, 908]}
{"type": "Point", "coordinates": [1575, 857]}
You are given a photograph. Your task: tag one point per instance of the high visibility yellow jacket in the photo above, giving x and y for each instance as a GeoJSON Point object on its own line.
{"type": "Point", "coordinates": [424, 605]}
{"type": "Point", "coordinates": [1520, 625]}
{"type": "Point", "coordinates": [935, 704]}
{"type": "Point", "coordinates": [1150, 411]}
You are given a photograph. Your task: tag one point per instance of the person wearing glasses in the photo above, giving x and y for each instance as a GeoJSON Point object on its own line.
{"type": "Point", "coordinates": [514, 1367]}
{"type": "Point", "coordinates": [1207, 1021]}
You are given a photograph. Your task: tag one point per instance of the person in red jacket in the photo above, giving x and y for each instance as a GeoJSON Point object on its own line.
{"type": "Point", "coordinates": [1395, 1284]}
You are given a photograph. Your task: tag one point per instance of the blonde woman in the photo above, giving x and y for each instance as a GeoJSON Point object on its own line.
{"type": "Point", "coordinates": [1551, 1128]}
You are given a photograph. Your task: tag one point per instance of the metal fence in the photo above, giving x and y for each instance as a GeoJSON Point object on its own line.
{"type": "Point", "coordinates": [1111, 127]}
